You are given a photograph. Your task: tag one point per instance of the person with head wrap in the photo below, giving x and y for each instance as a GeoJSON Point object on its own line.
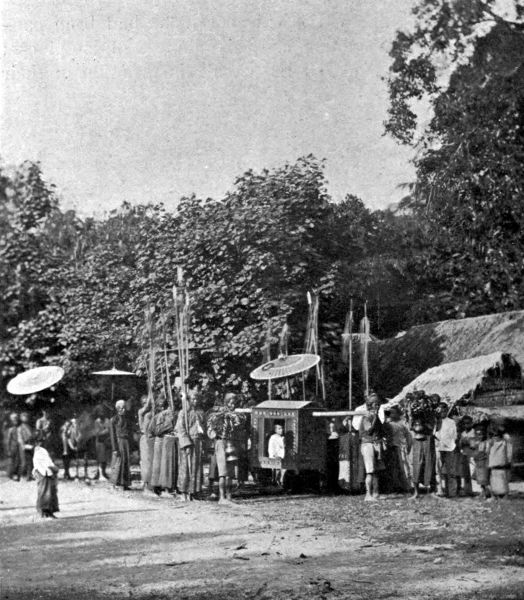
{"type": "Point", "coordinates": [26, 441]}
{"type": "Point", "coordinates": [445, 434]}
{"type": "Point", "coordinates": [371, 433]}
{"type": "Point", "coordinates": [164, 466]}
{"type": "Point", "coordinates": [222, 421]}
{"type": "Point", "coordinates": [190, 433]}
{"type": "Point", "coordinates": [121, 431]}
{"type": "Point", "coordinates": [14, 469]}
{"type": "Point", "coordinates": [43, 427]}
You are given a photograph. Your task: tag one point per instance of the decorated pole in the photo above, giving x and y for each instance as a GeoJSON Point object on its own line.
{"type": "Point", "coordinates": [350, 376]}
{"type": "Point", "coordinates": [181, 302]}
{"type": "Point", "coordinates": [365, 334]}
{"type": "Point", "coordinates": [168, 378]}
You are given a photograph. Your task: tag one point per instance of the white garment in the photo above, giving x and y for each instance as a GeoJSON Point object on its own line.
{"type": "Point", "coordinates": [446, 436]}
{"type": "Point", "coordinates": [42, 462]}
{"type": "Point", "coordinates": [276, 448]}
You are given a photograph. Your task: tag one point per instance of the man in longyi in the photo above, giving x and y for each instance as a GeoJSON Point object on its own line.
{"type": "Point", "coordinates": [190, 433]}
{"type": "Point", "coordinates": [121, 431]}
{"type": "Point", "coordinates": [26, 441]}
{"type": "Point", "coordinates": [145, 414]}
{"type": "Point", "coordinates": [445, 434]}
{"type": "Point", "coordinates": [14, 468]}
{"type": "Point", "coordinates": [164, 466]}
{"type": "Point", "coordinates": [220, 428]}
{"type": "Point", "coordinates": [371, 434]}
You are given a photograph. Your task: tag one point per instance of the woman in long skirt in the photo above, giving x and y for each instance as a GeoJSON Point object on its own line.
{"type": "Point", "coordinates": [45, 473]}
{"type": "Point", "coordinates": [168, 464]}
{"type": "Point", "coordinates": [423, 456]}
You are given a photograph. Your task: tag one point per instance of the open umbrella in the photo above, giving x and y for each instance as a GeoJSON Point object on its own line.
{"type": "Point", "coordinates": [112, 373]}
{"type": "Point", "coordinates": [35, 380]}
{"type": "Point", "coordinates": [285, 366]}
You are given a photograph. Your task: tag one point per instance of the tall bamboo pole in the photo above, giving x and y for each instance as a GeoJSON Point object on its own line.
{"type": "Point", "coordinates": [350, 376]}
{"type": "Point", "coordinates": [168, 378]}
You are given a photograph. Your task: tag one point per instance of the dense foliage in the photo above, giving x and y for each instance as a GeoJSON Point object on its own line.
{"type": "Point", "coordinates": [99, 291]}
{"type": "Point", "coordinates": [87, 293]}
{"type": "Point", "coordinates": [465, 59]}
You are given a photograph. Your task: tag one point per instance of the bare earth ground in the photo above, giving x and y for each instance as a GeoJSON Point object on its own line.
{"type": "Point", "coordinates": [114, 544]}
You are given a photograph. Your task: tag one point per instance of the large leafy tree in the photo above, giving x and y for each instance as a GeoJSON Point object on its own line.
{"type": "Point", "coordinates": [105, 284]}
{"type": "Point", "coordinates": [466, 58]}
{"type": "Point", "coordinates": [249, 260]}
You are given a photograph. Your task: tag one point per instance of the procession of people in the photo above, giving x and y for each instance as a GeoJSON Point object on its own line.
{"type": "Point", "coordinates": [373, 454]}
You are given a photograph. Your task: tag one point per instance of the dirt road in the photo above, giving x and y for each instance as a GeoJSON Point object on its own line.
{"type": "Point", "coordinates": [110, 544]}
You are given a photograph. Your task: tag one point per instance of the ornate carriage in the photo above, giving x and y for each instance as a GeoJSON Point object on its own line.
{"type": "Point", "coordinates": [304, 436]}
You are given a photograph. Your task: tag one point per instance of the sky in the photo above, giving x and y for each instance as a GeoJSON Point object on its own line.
{"type": "Point", "coordinates": [149, 101]}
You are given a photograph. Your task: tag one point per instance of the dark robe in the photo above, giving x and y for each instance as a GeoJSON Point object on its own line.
{"type": "Point", "coordinates": [144, 420]}
{"type": "Point", "coordinates": [121, 431]}
{"type": "Point", "coordinates": [424, 461]}
{"type": "Point", "coordinates": [164, 469]}
{"type": "Point", "coordinates": [26, 441]}
{"type": "Point", "coordinates": [14, 468]}
{"type": "Point", "coordinates": [190, 436]}
{"type": "Point", "coordinates": [46, 494]}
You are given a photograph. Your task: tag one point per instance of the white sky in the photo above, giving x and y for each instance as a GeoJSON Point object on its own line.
{"type": "Point", "coordinates": [150, 100]}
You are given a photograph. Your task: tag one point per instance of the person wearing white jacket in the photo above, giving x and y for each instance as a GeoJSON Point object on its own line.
{"type": "Point", "coordinates": [445, 434]}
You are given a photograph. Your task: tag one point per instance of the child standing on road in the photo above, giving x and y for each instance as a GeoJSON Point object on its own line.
{"type": "Point", "coordinates": [45, 472]}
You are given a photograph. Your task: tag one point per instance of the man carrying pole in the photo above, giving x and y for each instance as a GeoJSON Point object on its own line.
{"type": "Point", "coordinates": [190, 433]}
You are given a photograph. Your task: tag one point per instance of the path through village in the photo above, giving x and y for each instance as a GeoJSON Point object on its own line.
{"type": "Point", "coordinates": [114, 544]}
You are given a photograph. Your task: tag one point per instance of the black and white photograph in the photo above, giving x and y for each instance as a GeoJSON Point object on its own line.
{"type": "Point", "coordinates": [262, 300]}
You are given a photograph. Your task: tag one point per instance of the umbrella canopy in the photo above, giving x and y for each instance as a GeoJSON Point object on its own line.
{"type": "Point", "coordinates": [112, 371]}
{"type": "Point", "coordinates": [285, 366]}
{"type": "Point", "coordinates": [35, 380]}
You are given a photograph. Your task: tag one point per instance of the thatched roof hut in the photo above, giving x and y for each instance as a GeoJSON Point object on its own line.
{"type": "Point", "coordinates": [465, 379]}
{"type": "Point", "coordinates": [397, 361]}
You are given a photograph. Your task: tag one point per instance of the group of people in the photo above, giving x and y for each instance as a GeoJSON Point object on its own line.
{"type": "Point", "coordinates": [383, 455]}
{"type": "Point", "coordinates": [20, 441]}
{"type": "Point", "coordinates": [442, 456]}
{"type": "Point", "coordinates": [173, 447]}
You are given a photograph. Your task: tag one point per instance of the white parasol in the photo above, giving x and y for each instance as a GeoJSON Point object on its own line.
{"type": "Point", "coordinates": [35, 380]}
{"type": "Point", "coordinates": [112, 371]}
{"type": "Point", "coordinates": [285, 366]}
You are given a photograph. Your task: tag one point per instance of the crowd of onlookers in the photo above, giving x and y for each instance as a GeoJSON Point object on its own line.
{"type": "Point", "coordinates": [441, 455]}
{"type": "Point", "coordinates": [20, 439]}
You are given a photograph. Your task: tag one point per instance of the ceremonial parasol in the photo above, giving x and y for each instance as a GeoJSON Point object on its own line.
{"type": "Point", "coordinates": [35, 380]}
{"type": "Point", "coordinates": [111, 373]}
{"type": "Point", "coordinates": [285, 366]}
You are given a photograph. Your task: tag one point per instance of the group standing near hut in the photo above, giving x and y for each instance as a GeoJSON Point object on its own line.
{"type": "Point", "coordinates": [416, 443]}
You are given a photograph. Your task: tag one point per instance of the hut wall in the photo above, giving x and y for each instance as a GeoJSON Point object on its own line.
{"type": "Point", "coordinates": [507, 397]}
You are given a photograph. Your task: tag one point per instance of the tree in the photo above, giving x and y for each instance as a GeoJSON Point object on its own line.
{"type": "Point", "coordinates": [470, 174]}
